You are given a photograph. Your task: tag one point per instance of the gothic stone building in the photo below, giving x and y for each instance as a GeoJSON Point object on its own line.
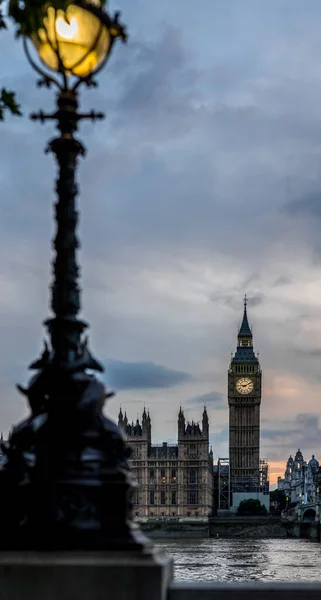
{"type": "Point", "coordinates": [301, 479]}
{"type": "Point", "coordinates": [173, 480]}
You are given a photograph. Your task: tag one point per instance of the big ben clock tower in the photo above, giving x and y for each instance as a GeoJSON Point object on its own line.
{"type": "Point", "coordinates": [244, 400]}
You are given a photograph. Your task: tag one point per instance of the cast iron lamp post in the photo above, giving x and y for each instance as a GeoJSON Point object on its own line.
{"type": "Point", "coordinates": [66, 482]}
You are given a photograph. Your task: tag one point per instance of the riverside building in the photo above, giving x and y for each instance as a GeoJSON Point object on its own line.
{"type": "Point", "coordinates": [174, 481]}
{"type": "Point", "coordinates": [301, 479]}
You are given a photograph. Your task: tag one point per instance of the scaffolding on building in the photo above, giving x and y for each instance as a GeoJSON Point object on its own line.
{"type": "Point", "coordinates": [264, 476]}
{"type": "Point", "coordinates": [249, 484]}
{"type": "Point", "coordinates": [258, 483]}
{"type": "Point", "coordinates": [224, 484]}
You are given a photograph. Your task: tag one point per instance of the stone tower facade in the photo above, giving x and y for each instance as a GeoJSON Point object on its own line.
{"type": "Point", "coordinates": [301, 479]}
{"type": "Point", "coordinates": [244, 400]}
{"type": "Point", "coordinates": [195, 465]}
{"type": "Point", "coordinates": [173, 481]}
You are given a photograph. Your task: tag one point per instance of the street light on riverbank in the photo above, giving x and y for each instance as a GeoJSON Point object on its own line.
{"type": "Point", "coordinates": [66, 482]}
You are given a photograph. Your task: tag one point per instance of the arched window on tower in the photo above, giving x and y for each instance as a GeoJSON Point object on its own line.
{"type": "Point", "coordinates": [192, 450]}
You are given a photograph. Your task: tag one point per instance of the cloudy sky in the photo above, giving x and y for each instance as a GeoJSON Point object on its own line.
{"type": "Point", "coordinates": [201, 185]}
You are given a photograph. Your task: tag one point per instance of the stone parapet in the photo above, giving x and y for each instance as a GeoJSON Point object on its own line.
{"type": "Point", "coordinates": [85, 576]}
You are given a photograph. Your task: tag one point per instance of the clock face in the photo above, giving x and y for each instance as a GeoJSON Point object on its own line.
{"type": "Point", "coordinates": [244, 385]}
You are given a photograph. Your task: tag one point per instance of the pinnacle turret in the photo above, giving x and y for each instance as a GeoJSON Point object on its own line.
{"type": "Point", "coordinates": [205, 423]}
{"type": "Point", "coordinates": [181, 423]}
{"type": "Point", "coordinates": [120, 418]}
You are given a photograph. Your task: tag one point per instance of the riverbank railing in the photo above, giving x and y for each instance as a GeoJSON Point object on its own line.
{"type": "Point", "coordinates": [244, 591]}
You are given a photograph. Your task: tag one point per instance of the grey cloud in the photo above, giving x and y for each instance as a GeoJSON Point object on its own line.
{"type": "Point", "coordinates": [275, 434]}
{"type": "Point", "coordinates": [305, 214]}
{"type": "Point", "coordinates": [307, 206]}
{"type": "Point", "coordinates": [155, 85]}
{"type": "Point", "coordinates": [220, 436]}
{"type": "Point", "coordinates": [142, 375]}
{"type": "Point", "coordinates": [302, 432]}
{"type": "Point", "coordinates": [249, 281]}
{"type": "Point", "coordinates": [160, 117]}
{"type": "Point", "coordinates": [234, 299]}
{"type": "Point", "coordinates": [256, 300]}
{"type": "Point", "coordinates": [281, 281]}
{"type": "Point", "coordinates": [228, 299]}
{"type": "Point", "coordinates": [308, 352]}
{"type": "Point", "coordinates": [145, 89]}
{"type": "Point", "coordinates": [212, 399]}
{"type": "Point", "coordinates": [154, 215]}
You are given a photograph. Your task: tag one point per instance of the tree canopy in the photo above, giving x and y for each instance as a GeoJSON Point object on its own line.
{"type": "Point", "coordinates": [250, 507]}
{"type": "Point", "coordinates": [278, 497]}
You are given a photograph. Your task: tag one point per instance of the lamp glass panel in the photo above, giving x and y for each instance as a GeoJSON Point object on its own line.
{"type": "Point", "coordinates": [74, 42]}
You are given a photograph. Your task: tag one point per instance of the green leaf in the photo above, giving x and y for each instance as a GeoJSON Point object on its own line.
{"type": "Point", "coordinates": [8, 102]}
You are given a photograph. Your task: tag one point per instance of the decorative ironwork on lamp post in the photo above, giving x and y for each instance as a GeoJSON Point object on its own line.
{"type": "Point", "coordinates": [66, 482]}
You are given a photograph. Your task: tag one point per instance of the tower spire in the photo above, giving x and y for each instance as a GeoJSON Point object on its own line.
{"type": "Point", "coordinates": [244, 350]}
{"type": "Point", "coordinates": [245, 327]}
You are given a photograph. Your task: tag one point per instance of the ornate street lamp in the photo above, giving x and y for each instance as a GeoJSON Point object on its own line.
{"type": "Point", "coordinates": [66, 483]}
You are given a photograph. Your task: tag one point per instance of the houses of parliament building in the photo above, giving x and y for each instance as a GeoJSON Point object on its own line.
{"type": "Point", "coordinates": [173, 480]}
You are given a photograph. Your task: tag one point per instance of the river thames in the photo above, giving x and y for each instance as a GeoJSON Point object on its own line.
{"type": "Point", "coordinates": [244, 560]}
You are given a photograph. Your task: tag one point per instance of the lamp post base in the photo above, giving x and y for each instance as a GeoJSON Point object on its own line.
{"type": "Point", "coordinates": [66, 482]}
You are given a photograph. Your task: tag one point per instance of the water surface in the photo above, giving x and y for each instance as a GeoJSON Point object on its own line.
{"type": "Point", "coordinates": [245, 560]}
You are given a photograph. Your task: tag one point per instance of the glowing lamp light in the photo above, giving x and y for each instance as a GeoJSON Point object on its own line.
{"type": "Point", "coordinates": [75, 41]}
{"type": "Point", "coordinates": [67, 30]}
